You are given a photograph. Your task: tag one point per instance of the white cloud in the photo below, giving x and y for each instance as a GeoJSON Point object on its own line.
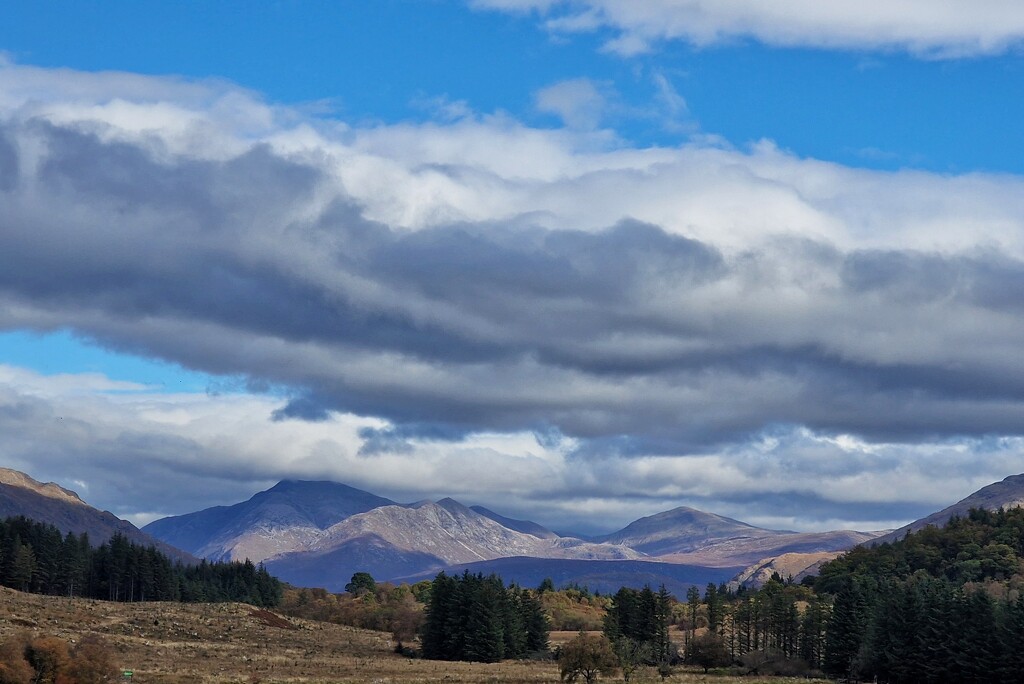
{"type": "Point", "coordinates": [149, 454]}
{"type": "Point", "coordinates": [579, 102]}
{"type": "Point", "coordinates": [926, 28]}
{"type": "Point", "coordinates": [660, 307]}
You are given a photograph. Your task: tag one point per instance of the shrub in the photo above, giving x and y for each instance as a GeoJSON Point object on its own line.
{"type": "Point", "coordinates": [14, 669]}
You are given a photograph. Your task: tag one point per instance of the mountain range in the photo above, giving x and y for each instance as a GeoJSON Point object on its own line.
{"type": "Point", "coordinates": [351, 530]}
{"type": "Point", "coordinates": [320, 533]}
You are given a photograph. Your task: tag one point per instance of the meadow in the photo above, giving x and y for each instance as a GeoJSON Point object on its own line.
{"type": "Point", "coordinates": [172, 643]}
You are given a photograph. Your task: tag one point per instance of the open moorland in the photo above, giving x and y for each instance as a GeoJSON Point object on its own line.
{"type": "Point", "coordinates": [204, 643]}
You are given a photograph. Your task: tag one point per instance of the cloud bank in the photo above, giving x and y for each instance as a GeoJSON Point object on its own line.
{"type": "Point", "coordinates": [925, 28]}
{"type": "Point", "coordinates": [652, 315]}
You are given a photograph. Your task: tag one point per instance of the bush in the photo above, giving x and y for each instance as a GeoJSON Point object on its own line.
{"type": "Point", "coordinates": [708, 650]}
{"type": "Point", "coordinates": [92, 662]}
{"type": "Point", "coordinates": [14, 669]}
{"type": "Point", "coordinates": [49, 657]}
{"type": "Point", "coordinates": [587, 657]}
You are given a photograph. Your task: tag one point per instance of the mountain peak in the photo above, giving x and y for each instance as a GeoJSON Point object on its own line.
{"type": "Point", "coordinates": [1007, 493]}
{"type": "Point", "coordinates": [51, 490]}
{"type": "Point", "coordinates": [65, 510]}
{"type": "Point", "coordinates": [680, 529]}
{"type": "Point", "coordinates": [277, 520]}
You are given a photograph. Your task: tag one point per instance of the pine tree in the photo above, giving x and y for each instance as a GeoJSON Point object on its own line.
{"type": "Point", "coordinates": [845, 631]}
{"type": "Point", "coordinates": [537, 631]}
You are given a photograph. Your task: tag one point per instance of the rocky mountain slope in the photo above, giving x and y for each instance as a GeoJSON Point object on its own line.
{"type": "Point", "coordinates": [743, 551]}
{"type": "Point", "coordinates": [65, 510]}
{"type": "Point", "coordinates": [525, 526]}
{"type": "Point", "coordinates": [789, 565]}
{"type": "Point", "coordinates": [1008, 493]}
{"type": "Point", "coordinates": [320, 533]}
{"type": "Point", "coordinates": [424, 537]}
{"type": "Point", "coordinates": [681, 530]}
{"type": "Point", "coordinates": [692, 537]}
{"type": "Point", "coordinates": [287, 517]}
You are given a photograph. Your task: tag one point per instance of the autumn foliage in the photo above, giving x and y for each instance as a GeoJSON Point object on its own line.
{"type": "Point", "coordinates": [50, 660]}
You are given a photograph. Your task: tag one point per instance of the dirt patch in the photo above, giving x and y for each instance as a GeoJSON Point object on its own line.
{"type": "Point", "coordinates": [271, 620]}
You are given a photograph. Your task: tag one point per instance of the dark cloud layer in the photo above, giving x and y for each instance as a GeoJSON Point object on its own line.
{"type": "Point", "coordinates": [631, 338]}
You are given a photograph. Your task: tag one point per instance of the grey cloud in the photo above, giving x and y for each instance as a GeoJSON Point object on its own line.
{"type": "Point", "coordinates": [302, 408]}
{"type": "Point", "coordinates": [9, 164]}
{"type": "Point", "coordinates": [630, 338]}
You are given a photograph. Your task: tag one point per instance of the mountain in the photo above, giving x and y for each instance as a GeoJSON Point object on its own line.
{"type": "Point", "coordinates": [605, 576]}
{"type": "Point", "coordinates": [789, 565]}
{"type": "Point", "coordinates": [52, 504]}
{"type": "Point", "coordinates": [524, 526]}
{"type": "Point", "coordinates": [321, 533]}
{"type": "Point", "coordinates": [692, 537]}
{"type": "Point", "coordinates": [1009, 493]}
{"type": "Point", "coordinates": [287, 517]}
{"type": "Point", "coordinates": [746, 550]}
{"type": "Point", "coordinates": [680, 530]}
{"type": "Point", "coordinates": [427, 536]}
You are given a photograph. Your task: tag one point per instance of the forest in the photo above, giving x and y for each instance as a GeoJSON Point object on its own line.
{"type": "Point", "coordinates": [477, 618]}
{"type": "Point", "coordinates": [941, 605]}
{"type": "Point", "coordinates": [35, 557]}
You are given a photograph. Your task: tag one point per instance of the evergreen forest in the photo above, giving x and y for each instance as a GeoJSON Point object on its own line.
{"type": "Point", "coordinates": [36, 557]}
{"type": "Point", "coordinates": [476, 618]}
{"type": "Point", "coordinates": [942, 605]}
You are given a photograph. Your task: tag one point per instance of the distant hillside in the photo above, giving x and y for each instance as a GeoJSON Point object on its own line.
{"type": "Point", "coordinates": [789, 565]}
{"type": "Point", "coordinates": [524, 526]}
{"type": "Point", "coordinates": [745, 551]}
{"type": "Point", "coordinates": [1009, 493]}
{"type": "Point", "coordinates": [285, 518]}
{"type": "Point", "coordinates": [693, 537]}
{"type": "Point", "coordinates": [65, 510]}
{"type": "Point", "coordinates": [320, 533]}
{"type": "Point", "coordinates": [603, 576]}
{"type": "Point", "coordinates": [680, 530]}
{"type": "Point", "coordinates": [395, 540]}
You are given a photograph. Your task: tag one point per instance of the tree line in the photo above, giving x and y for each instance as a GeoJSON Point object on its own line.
{"type": "Point", "coordinates": [35, 557]}
{"type": "Point", "coordinates": [476, 618]}
{"type": "Point", "coordinates": [941, 605]}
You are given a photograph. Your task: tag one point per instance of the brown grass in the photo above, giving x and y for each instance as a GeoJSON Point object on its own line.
{"type": "Point", "coordinates": [171, 643]}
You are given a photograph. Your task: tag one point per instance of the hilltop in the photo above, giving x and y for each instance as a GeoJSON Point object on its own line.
{"type": "Point", "coordinates": [65, 510]}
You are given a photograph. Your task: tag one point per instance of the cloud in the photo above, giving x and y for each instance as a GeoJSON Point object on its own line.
{"type": "Point", "coordinates": [430, 284]}
{"type": "Point", "coordinates": [925, 28]}
{"type": "Point", "coordinates": [301, 408]}
{"type": "Point", "coordinates": [579, 102]}
{"type": "Point", "coordinates": [144, 454]}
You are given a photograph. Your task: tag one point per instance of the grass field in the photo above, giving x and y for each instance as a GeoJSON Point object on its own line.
{"type": "Point", "coordinates": [204, 643]}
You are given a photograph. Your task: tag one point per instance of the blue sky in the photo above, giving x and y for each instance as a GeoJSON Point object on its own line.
{"type": "Point", "coordinates": [565, 244]}
{"type": "Point", "coordinates": [384, 60]}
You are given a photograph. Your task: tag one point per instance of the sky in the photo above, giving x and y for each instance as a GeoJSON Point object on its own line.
{"type": "Point", "coordinates": [579, 261]}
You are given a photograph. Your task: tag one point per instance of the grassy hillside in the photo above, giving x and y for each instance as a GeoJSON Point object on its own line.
{"type": "Point", "coordinates": [172, 643]}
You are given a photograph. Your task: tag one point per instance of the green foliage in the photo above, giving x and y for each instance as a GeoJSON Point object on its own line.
{"type": "Point", "coordinates": [478, 619]}
{"type": "Point", "coordinates": [916, 610]}
{"type": "Point", "coordinates": [637, 625]}
{"type": "Point", "coordinates": [361, 583]}
{"type": "Point", "coordinates": [36, 558]}
{"type": "Point", "coordinates": [984, 545]}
